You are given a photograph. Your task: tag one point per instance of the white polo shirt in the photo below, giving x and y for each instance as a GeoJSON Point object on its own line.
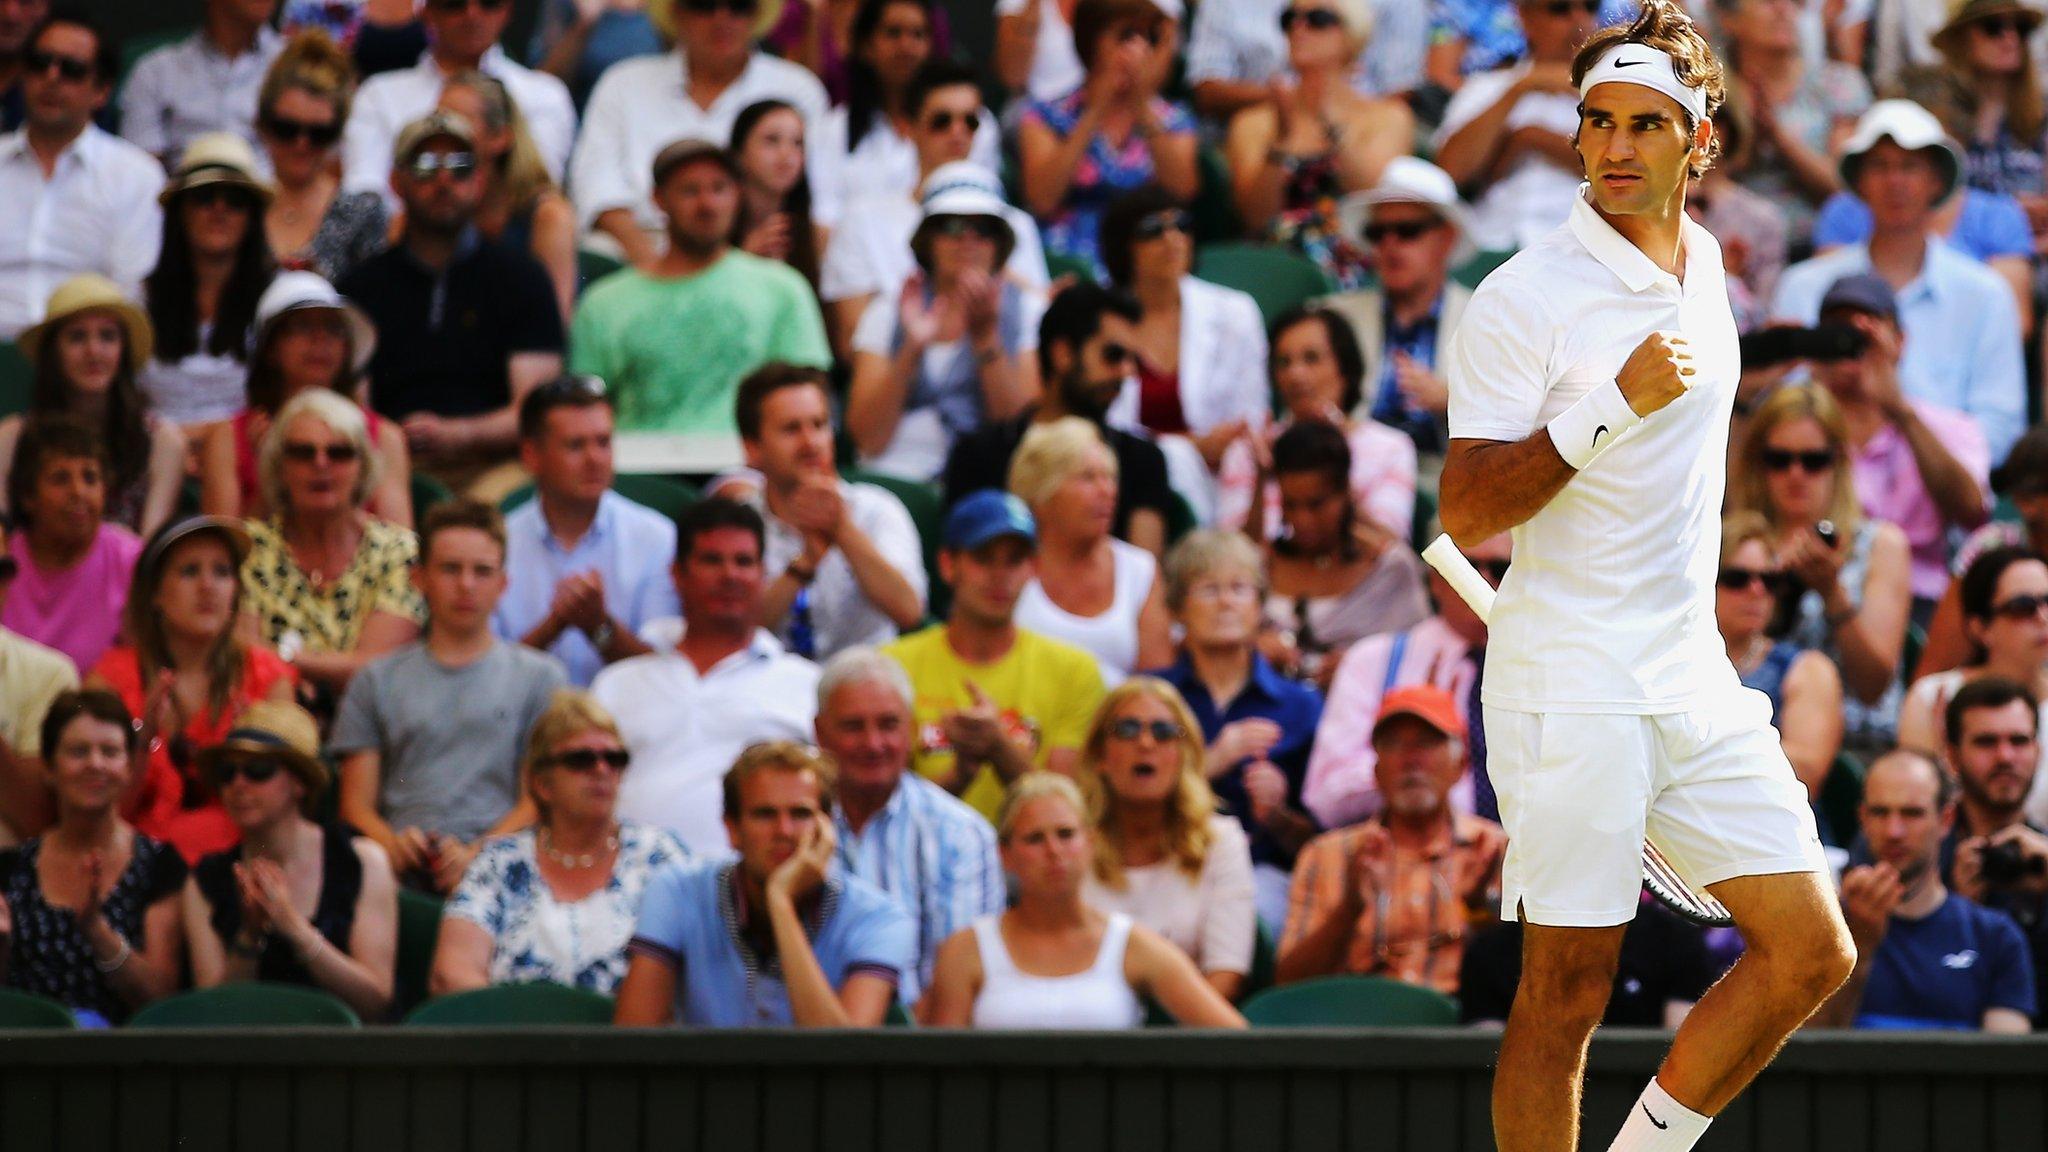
{"type": "Point", "coordinates": [96, 212]}
{"type": "Point", "coordinates": [1609, 606]}
{"type": "Point", "coordinates": [685, 730]}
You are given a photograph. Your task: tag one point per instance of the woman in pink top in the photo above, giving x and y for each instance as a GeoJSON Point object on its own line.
{"type": "Point", "coordinates": [74, 566]}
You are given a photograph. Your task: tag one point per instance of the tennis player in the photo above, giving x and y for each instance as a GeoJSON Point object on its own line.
{"type": "Point", "coordinates": [1592, 380]}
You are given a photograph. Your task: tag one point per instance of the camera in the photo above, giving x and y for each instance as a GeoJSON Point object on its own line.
{"type": "Point", "coordinates": [1771, 346]}
{"type": "Point", "coordinates": [2008, 864]}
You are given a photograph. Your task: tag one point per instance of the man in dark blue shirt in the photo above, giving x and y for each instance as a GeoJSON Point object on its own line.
{"type": "Point", "coordinates": [1925, 957]}
{"type": "Point", "coordinates": [1258, 724]}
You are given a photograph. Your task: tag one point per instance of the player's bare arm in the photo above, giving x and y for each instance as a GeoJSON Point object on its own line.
{"type": "Point", "coordinates": [1490, 486]}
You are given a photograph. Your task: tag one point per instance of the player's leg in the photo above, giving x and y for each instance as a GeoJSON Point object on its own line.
{"type": "Point", "coordinates": [1574, 791]}
{"type": "Point", "coordinates": [1567, 977]}
{"type": "Point", "coordinates": [1798, 952]}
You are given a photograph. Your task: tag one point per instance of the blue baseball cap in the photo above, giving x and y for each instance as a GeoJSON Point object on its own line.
{"type": "Point", "coordinates": [986, 515]}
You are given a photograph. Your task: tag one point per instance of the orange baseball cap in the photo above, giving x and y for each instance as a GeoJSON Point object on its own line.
{"type": "Point", "coordinates": [1427, 703]}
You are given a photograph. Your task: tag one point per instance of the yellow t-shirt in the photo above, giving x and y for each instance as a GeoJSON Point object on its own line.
{"type": "Point", "coordinates": [31, 676]}
{"type": "Point", "coordinates": [1047, 689]}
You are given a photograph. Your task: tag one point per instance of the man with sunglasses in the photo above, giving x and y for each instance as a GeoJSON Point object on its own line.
{"type": "Point", "coordinates": [1921, 466]}
{"type": "Point", "coordinates": [466, 327]}
{"type": "Point", "coordinates": [431, 736]}
{"type": "Point", "coordinates": [1592, 382]}
{"type": "Point", "coordinates": [1506, 136]}
{"type": "Point", "coordinates": [462, 36]}
{"type": "Point", "coordinates": [1397, 896]}
{"type": "Point", "coordinates": [869, 252]}
{"type": "Point", "coordinates": [1415, 227]}
{"type": "Point", "coordinates": [207, 82]}
{"type": "Point", "coordinates": [78, 198]}
{"type": "Point", "coordinates": [644, 104]}
{"type": "Point", "coordinates": [31, 676]}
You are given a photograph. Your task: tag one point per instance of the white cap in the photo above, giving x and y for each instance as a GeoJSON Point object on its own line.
{"type": "Point", "coordinates": [299, 291]}
{"type": "Point", "coordinates": [1411, 180]}
{"type": "Point", "coordinates": [1910, 127]}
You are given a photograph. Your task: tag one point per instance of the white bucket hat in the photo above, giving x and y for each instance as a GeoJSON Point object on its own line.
{"type": "Point", "coordinates": [1910, 127]}
{"type": "Point", "coordinates": [1411, 180]}
{"type": "Point", "coordinates": [308, 292]}
{"type": "Point", "coordinates": [964, 188]}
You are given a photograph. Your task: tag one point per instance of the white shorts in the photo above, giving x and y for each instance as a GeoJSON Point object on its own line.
{"type": "Point", "coordinates": [1578, 792]}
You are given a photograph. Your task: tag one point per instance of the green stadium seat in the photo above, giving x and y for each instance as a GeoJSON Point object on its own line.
{"type": "Point", "coordinates": [1472, 271]}
{"type": "Point", "coordinates": [1841, 798]}
{"type": "Point", "coordinates": [1060, 264]}
{"type": "Point", "coordinates": [1425, 518]}
{"type": "Point", "coordinates": [926, 505]}
{"type": "Point", "coordinates": [1278, 278]}
{"type": "Point", "coordinates": [898, 1016]}
{"type": "Point", "coordinates": [1215, 208]}
{"type": "Point", "coordinates": [17, 380]}
{"type": "Point", "coordinates": [1351, 1002]}
{"type": "Point", "coordinates": [25, 1010]}
{"type": "Point", "coordinates": [427, 492]}
{"type": "Point", "coordinates": [419, 930]}
{"type": "Point", "coordinates": [592, 267]}
{"type": "Point", "coordinates": [1180, 518]}
{"type": "Point", "coordinates": [249, 1005]}
{"type": "Point", "coordinates": [660, 493]}
{"type": "Point", "coordinates": [515, 1006]}
{"type": "Point", "coordinates": [1264, 957]}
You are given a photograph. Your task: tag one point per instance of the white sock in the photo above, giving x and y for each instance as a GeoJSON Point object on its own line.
{"type": "Point", "coordinates": [1658, 1123]}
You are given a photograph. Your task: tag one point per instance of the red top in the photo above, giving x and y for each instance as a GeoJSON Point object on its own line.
{"type": "Point", "coordinates": [1159, 399]}
{"type": "Point", "coordinates": [176, 806]}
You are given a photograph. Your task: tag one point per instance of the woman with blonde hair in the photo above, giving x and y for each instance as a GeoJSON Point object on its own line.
{"type": "Point", "coordinates": [522, 207]}
{"type": "Point", "coordinates": [1163, 854]}
{"type": "Point", "coordinates": [1093, 591]}
{"type": "Point", "coordinates": [1050, 961]}
{"type": "Point", "coordinates": [300, 111]}
{"type": "Point", "coordinates": [1988, 97]}
{"type": "Point", "coordinates": [1850, 597]}
{"type": "Point", "coordinates": [1804, 689]}
{"type": "Point", "coordinates": [555, 902]}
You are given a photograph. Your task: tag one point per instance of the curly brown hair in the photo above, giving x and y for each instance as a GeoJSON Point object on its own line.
{"type": "Point", "coordinates": [1663, 25]}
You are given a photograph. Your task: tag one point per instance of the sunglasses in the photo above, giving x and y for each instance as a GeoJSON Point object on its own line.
{"type": "Point", "coordinates": [730, 7]}
{"type": "Point", "coordinates": [575, 384]}
{"type": "Point", "coordinates": [1116, 355]}
{"type": "Point", "coordinates": [456, 164]}
{"type": "Point", "coordinates": [1320, 19]}
{"type": "Point", "coordinates": [1782, 460]}
{"type": "Point", "coordinates": [69, 67]}
{"type": "Point", "coordinates": [215, 195]}
{"type": "Point", "coordinates": [301, 453]}
{"type": "Point", "coordinates": [1567, 7]}
{"type": "Point", "coordinates": [257, 770]}
{"type": "Point", "coordinates": [2020, 607]}
{"type": "Point", "coordinates": [287, 131]}
{"type": "Point", "coordinates": [960, 227]}
{"type": "Point", "coordinates": [944, 121]}
{"type": "Point", "coordinates": [1407, 230]}
{"type": "Point", "coordinates": [587, 759]}
{"type": "Point", "coordinates": [1161, 731]}
{"type": "Point", "coordinates": [1744, 579]}
{"type": "Point", "coordinates": [462, 5]}
{"type": "Point", "coordinates": [1995, 26]}
{"type": "Point", "coordinates": [1160, 223]}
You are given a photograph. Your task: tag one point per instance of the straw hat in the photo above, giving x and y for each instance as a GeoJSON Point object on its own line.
{"type": "Point", "coordinates": [276, 728]}
{"type": "Point", "coordinates": [1964, 13]}
{"type": "Point", "coordinates": [92, 293]}
{"type": "Point", "coordinates": [663, 15]}
{"type": "Point", "coordinates": [218, 158]}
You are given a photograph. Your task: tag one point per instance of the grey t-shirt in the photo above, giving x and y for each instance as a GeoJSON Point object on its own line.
{"type": "Point", "coordinates": [450, 739]}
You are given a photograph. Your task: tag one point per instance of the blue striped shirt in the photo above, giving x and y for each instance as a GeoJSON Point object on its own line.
{"type": "Point", "coordinates": [934, 856]}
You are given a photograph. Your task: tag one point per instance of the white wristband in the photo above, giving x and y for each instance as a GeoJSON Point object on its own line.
{"type": "Point", "coordinates": [1592, 425]}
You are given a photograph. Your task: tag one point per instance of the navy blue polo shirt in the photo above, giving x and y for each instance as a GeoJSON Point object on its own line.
{"type": "Point", "coordinates": [1266, 695]}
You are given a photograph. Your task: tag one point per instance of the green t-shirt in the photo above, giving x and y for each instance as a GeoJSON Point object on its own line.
{"type": "Point", "coordinates": [1048, 691]}
{"type": "Point", "coordinates": [674, 351]}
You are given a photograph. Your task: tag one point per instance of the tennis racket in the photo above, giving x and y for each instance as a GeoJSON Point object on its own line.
{"type": "Point", "coordinates": [1659, 877]}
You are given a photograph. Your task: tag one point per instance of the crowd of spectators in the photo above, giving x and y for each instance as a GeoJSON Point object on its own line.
{"type": "Point", "coordinates": [1031, 631]}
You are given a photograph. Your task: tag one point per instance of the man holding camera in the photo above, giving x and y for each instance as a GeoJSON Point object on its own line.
{"type": "Point", "coordinates": [1918, 465]}
{"type": "Point", "coordinates": [1994, 855]}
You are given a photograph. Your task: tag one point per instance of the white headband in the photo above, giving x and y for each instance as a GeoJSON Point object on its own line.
{"type": "Point", "coordinates": [1647, 67]}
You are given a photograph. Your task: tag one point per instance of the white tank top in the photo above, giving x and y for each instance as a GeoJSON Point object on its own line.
{"type": "Point", "coordinates": [1099, 998]}
{"type": "Point", "coordinates": [1112, 637]}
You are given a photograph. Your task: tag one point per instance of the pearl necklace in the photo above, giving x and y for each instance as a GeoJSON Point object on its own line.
{"type": "Point", "coordinates": [573, 860]}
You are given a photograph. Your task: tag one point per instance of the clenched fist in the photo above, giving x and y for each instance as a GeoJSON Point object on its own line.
{"type": "Point", "coordinates": [1659, 371]}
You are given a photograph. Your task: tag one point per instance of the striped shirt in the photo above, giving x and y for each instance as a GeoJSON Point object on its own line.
{"type": "Point", "coordinates": [934, 856]}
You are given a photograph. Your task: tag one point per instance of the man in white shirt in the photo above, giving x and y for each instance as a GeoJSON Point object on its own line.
{"type": "Point", "coordinates": [687, 712]}
{"type": "Point", "coordinates": [1507, 135]}
{"type": "Point", "coordinates": [1592, 380]}
{"type": "Point", "coordinates": [848, 561]}
{"type": "Point", "coordinates": [77, 199]}
{"type": "Point", "coordinates": [644, 104]}
{"type": "Point", "coordinates": [462, 36]}
{"type": "Point", "coordinates": [207, 82]}
{"type": "Point", "coordinates": [869, 252]}
{"type": "Point", "coordinates": [18, 19]}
